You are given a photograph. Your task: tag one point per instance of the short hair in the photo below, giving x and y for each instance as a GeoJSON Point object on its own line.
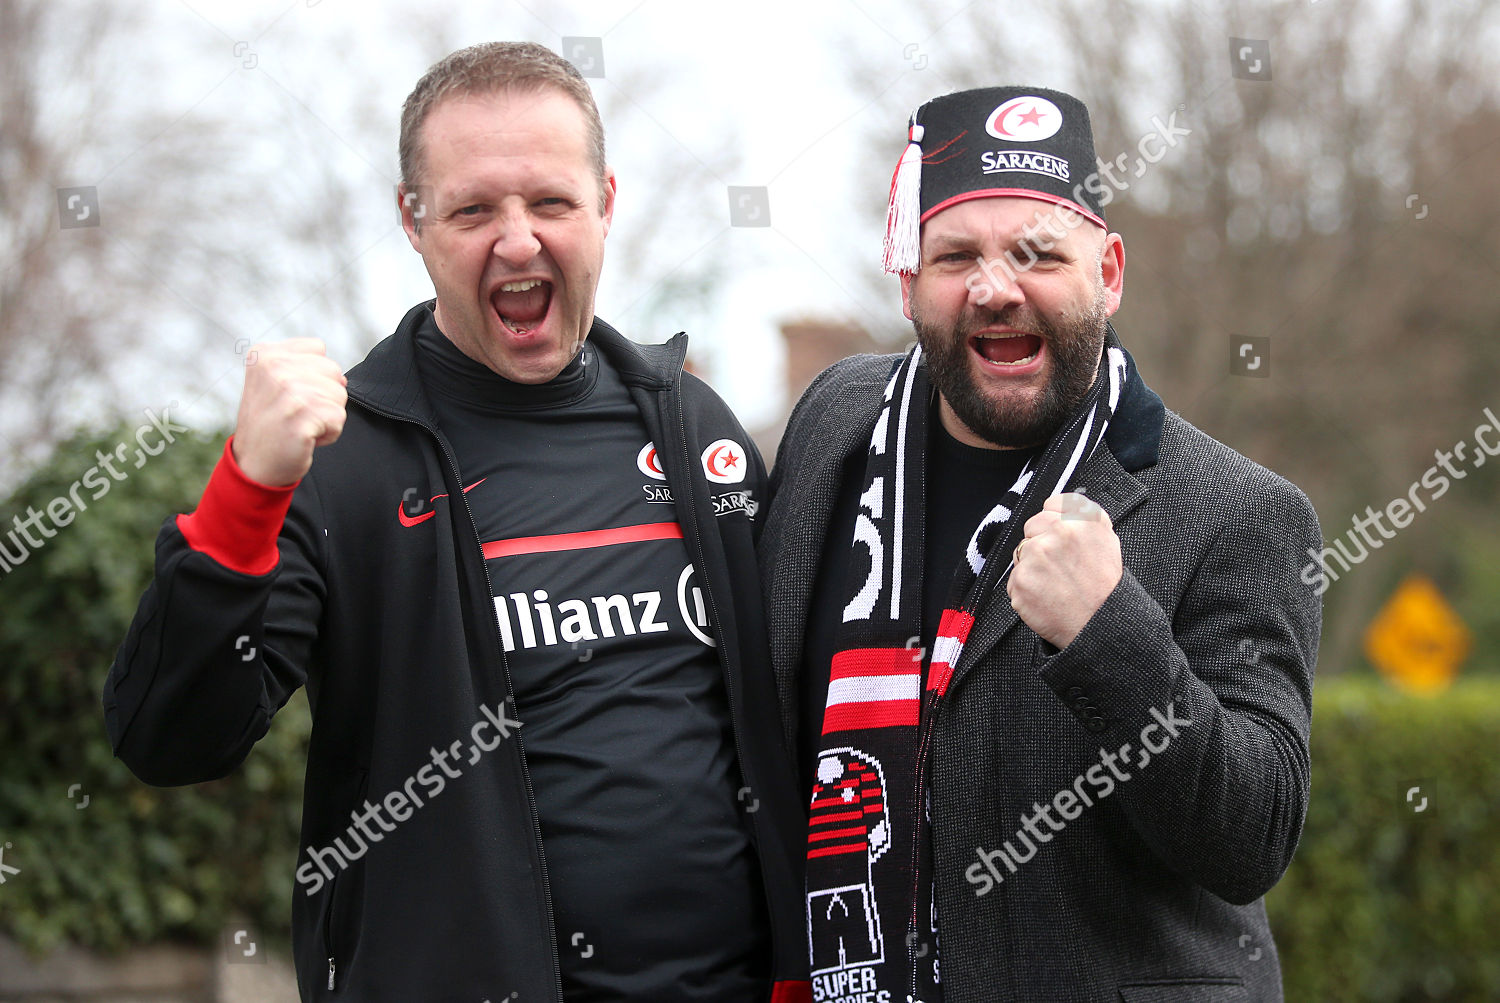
{"type": "Point", "coordinates": [489, 68]}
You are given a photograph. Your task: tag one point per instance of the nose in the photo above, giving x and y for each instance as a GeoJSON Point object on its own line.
{"type": "Point", "coordinates": [516, 243]}
{"type": "Point", "coordinates": [995, 286]}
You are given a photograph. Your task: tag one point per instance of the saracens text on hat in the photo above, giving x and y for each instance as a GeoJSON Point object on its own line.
{"type": "Point", "coordinates": [992, 141]}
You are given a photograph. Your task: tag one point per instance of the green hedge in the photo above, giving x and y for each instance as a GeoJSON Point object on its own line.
{"type": "Point", "coordinates": [1383, 902]}
{"type": "Point", "coordinates": [137, 864]}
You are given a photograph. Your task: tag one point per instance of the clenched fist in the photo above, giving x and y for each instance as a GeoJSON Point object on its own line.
{"type": "Point", "coordinates": [294, 401]}
{"type": "Point", "coordinates": [1065, 568]}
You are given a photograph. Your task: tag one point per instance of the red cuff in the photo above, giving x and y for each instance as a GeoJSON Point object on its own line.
{"type": "Point", "coordinates": [237, 520]}
{"type": "Point", "coordinates": [791, 992]}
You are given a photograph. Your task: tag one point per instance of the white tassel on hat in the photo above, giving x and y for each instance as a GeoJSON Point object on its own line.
{"type": "Point", "coordinates": [903, 218]}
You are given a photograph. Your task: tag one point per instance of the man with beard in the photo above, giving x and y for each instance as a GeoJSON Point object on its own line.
{"type": "Point", "coordinates": [1042, 647]}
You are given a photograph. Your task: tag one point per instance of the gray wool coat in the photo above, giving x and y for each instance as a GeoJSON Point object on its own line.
{"type": "Point", "coordinates": [1150, 891]}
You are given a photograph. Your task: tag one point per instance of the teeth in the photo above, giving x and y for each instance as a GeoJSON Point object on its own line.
{"type": "Point", "coordinates": [519, 287]}
{"type": "Point", "coordinates": [513, 325]}
{"type": "Point", "coordinates": [997, 336]}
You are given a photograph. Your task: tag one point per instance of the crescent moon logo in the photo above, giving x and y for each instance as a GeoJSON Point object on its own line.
{"type": "Point", "coordinates": [1025, 119]}
{"type": "Point", "coordinates": [649, 463]}
{"type": "Point", "coordinates": [724, 462]}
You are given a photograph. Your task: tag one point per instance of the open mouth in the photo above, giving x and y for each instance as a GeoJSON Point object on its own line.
{"type": "Point", "coordinates": [522, 306]}
{"type": "Point", "coordinates": [1003, 349]}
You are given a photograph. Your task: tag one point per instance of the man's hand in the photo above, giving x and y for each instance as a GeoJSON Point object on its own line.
{"type": "Point", "coordinates": [294, 401]}
{"type": "Point", "coordinates": [1066, 567]}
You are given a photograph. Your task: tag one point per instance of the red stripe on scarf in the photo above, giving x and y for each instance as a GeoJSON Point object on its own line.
{"type": "Point", "coordinates": [887, 675]}
{"type": "Point", "coordinates": [952, 635]}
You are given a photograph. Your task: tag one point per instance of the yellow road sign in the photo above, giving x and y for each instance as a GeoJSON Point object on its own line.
{"type": "Point", "coordinates": [1416, 640]}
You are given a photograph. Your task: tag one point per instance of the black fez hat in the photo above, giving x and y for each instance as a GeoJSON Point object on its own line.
{"type": "Point", "coordinates": [992, 141]}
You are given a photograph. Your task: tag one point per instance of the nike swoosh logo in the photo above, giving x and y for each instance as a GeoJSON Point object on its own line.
{"type": "Point", "coordinates": [413, 520]}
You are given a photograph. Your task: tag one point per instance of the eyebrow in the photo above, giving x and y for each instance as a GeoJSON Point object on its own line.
{"type": "Point", "coordinates": [949, 243]}
{"type": "Point", "coordinates": [944, 243]}
{"type": "Point", "coordinates": [464, 196]}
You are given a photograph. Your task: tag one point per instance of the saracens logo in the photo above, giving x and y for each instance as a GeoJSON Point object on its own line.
{"type": "Point", "coordinates": [724, 461]}
{"type": "Point", "coordinates": [649, 463]}
{"type": "Point", "coordinates": [1024, 120]}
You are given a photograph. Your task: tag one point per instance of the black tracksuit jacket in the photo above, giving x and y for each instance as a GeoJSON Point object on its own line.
{"type": "Point", "coordinates": [392, 630]}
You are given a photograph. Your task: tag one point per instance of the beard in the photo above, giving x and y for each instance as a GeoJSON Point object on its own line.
{"type": "Point", "coordinates": [1015, 422]}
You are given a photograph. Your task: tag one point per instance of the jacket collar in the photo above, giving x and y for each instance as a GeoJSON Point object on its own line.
{"type": "Point", "coordinates": [388, 379]}
{"type": "Point", "coordinates": [1134, 433]}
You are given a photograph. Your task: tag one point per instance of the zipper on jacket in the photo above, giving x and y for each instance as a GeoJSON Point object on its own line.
{"type": "Point", "coordinates": [333, 888]}
{"type": "Point", "coordinates": [695, 536]}
{"type": "Point", "coordinates": [536, 830]}
{"type": "Point", "coordinates": [924, 748]}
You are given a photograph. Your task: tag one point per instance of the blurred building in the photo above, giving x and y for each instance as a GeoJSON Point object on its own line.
{"type": "Point", "coordinates": [812, 345]}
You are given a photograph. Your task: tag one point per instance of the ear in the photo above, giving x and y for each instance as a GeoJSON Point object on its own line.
{"type": "Point", "coordinates": [906, 278]}
{"type": "Point", "coordinates": [1112, 272]}
{"type": "Point", "coordinates": [410, 201]}
{"type": "Point", "coordinates": [609, 198]}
